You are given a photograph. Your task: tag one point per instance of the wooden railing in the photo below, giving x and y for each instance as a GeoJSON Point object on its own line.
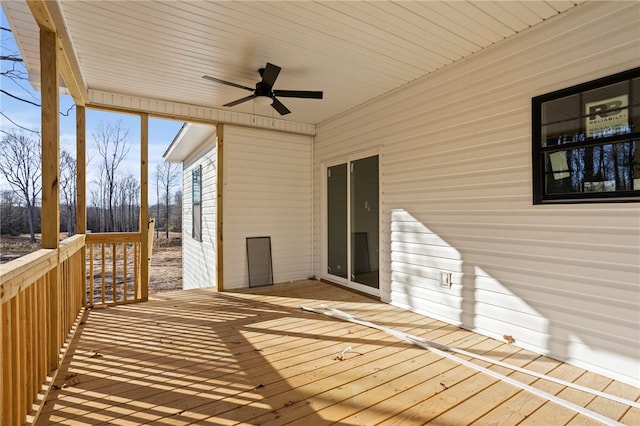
{"type": "Point", "coordinates": [41, 298]}
{"type": "Point", "coordinates": [113, 267]}
{"type": "Point", "coordinates": [42, 295]}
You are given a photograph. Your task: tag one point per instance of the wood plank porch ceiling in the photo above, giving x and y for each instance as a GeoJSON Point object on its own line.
{"type": "Point", "coordinates": [134, 53]}
{"type": "Point", "coordinates": [253, 357]}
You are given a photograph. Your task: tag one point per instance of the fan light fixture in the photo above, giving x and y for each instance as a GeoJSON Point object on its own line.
{"type": "Point", "coordinates": [263, 100]}
{"type": "Point", "coordinates": [264, 94]}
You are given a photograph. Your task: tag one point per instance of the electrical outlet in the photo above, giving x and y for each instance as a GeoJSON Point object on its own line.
{"type": "Point", "coordinates": [445, 279]}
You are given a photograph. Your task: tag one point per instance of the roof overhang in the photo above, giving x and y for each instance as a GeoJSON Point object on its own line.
{"type": "Point", "coordinates": [191, 138]}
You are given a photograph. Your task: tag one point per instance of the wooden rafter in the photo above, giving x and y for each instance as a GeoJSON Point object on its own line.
{"type": "Point", "coordinates": [48, 15]}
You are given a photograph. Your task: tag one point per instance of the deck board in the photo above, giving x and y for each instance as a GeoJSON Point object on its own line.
{"type": "Point", "coordinates": [253, 357]}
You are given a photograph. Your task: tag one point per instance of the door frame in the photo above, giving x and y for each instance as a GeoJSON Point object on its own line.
{"type": "Point", "coordinates": [325, 165]}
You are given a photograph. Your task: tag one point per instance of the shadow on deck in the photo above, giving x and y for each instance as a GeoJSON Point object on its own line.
{"type": "Point", "coordinates": [253, 357]}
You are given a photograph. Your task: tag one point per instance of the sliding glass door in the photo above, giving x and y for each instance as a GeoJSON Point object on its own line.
{"type": "Point", "coordinates": [364, 217]}
{"type": "Point", "coordinates": [337, 215]}
{"type": "Point", "coordinates": [353, 223]}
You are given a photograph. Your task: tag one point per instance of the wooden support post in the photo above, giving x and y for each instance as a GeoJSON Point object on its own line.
{"type": "Point", "coordinates": [50, 179]}
{"type": "Point", "coordinates": [81, 170]}
{"type": "Point", "coordinates": [219, 210]}
{"type": "Point", "coordinates": [144, 207]}
{"type": "Point", "coordinates": [81, 188]}
{"type": "Point", "coordinates": [50, 141]}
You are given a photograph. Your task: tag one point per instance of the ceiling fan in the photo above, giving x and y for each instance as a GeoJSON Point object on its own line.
{"type": "Point", "coordinates": [264, 94]}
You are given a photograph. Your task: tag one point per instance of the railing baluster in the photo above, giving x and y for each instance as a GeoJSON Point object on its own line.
{"type": "Point", "coordinates": [8, 382]}
{"type": "Point", "coordinates": [125, 261]}
{"type": "Point", "coordinates": [45, 332]}
{"type": "Point", "coordinates": [114, 273]}
{"type": "Point", "coordinates": [63, 298]}
{"type": "Point", "coordinates": [41, 327]}
{"type": "Point", "coordinates": [22, 354]}
{"type": "Point", "coordinates": [102, 275]}
{"type": "Point", "coordinates": [136, 270]}
{"type": "Point", "coordinates": [91, 275]}
{"type": "Point", "coordinates": [30, 342]}
{"type": "Point", "coordinates": [4, 366]}
{"type": "Point", "coordinates": [14, 377]}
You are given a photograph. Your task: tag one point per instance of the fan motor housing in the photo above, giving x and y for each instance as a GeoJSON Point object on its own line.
{"type": "Point", "coordinates": [263, 89]}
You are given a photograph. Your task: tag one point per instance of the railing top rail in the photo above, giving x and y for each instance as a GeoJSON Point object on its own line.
{"type": "Point", "coordinates": [113, 237]}
{"type": "Point", "coordinates": [20, 273]}
{"type": "Point", "coordinates": [70, 246]}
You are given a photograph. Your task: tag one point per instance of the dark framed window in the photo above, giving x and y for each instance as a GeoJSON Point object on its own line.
{"type": "Point", "coordinates": [196, 203]}
{"type": "Point", "coordinates": [586, 142]}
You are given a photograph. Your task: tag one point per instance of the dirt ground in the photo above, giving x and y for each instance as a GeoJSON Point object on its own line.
{"type": "Point", "coordinates": [166, 269]}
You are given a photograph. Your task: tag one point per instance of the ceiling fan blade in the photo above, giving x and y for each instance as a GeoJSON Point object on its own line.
{"type": "Point", "coordinates": [270, 74]}
{"type": "Point", "coordinates": [298, 94]}
{"type": "Point", "coordinates": [278, 106]}
{"type": "Point", "coordinates": [239, 101]}
{"type": "Point", "coordinates": [228, 83]}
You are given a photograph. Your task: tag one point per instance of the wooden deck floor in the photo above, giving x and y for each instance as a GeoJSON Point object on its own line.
{"type": "Point", "coordinates": [198, 357]}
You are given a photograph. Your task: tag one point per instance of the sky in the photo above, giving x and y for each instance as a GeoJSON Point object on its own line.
{"type": "Point", "coordinates": [161, 132]}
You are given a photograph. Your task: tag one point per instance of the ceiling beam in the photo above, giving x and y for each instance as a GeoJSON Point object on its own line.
{"type": "Point", "coordinates": [49, 17]}
{"type": "Point", "coordinates": [193, 113]}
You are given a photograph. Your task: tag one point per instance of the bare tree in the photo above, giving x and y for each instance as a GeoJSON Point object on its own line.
{"type": "Point", "coordinates": [68, 171]}
{"type": "Point", "coordinates": [157, 175]}
{"type": "Point", "coordinates": [166, 176]}
{"type": "Point", "coordinates": [21, 166]}
{"type": "Point", "coordinates": [128, 190]}
{"type": "Point", "coordinates": [94, 214]}
{"type": "Point", "coordinates": [97, 201]}
{"type": "Point", "coordinates": [113, 147]}
{"type": "Point", "coordinates": [132, 191]}
{"type": "Point", "coordinates": [177, 200]}
{"type": "Point", "coordinates": [10, 212]}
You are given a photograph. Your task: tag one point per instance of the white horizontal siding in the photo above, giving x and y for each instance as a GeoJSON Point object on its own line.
{"type": "Point", "coordinates": [267, 192]}
{"type": "Point", "coordinates": [456, 196]}
{"type": "Point", "coordinates": [199, 258]}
